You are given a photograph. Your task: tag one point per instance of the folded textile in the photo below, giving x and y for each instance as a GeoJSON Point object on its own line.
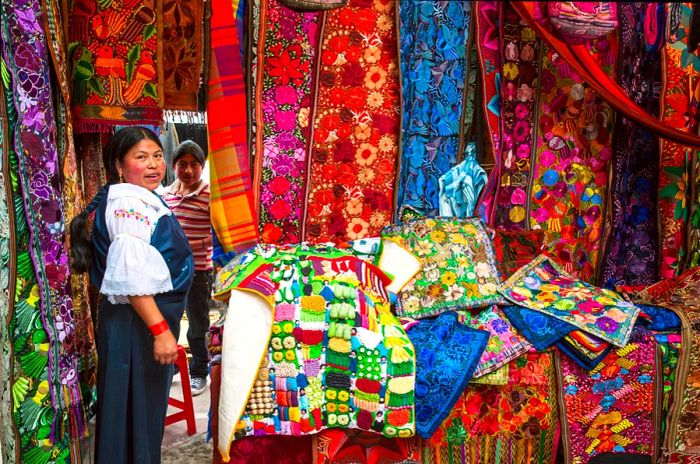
{"type": "Point", "coordinates": [660, 319]}
{"type": "Point", "coordinates": [579, 358]}
{"type": "Point", "coordinates": [540, 329]}
{"type": "Point", "coordinates": [447, 354]}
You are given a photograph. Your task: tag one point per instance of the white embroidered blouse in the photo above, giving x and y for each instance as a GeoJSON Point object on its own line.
{"type": "Point", "coordinates": [134, 267]}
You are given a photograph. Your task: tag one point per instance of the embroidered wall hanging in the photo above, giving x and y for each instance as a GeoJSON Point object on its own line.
{"type": "Point", "coordinates": [286, 62]}
{"type": "Point", "coordinates": [694, 217]}
{"type": "Point", "coordinates": [512, 424]}
{"type": "Point", "coordinates": [520, 50]}
{"type": "Point", "coordinates": [183, 37]}
{"type": "Point", "coordinates": [544, 286]}
{"type": "Point", "coordinates": [631, 237]}
{"type": "Point", "coordinates": [670, 347]}
{"type": "Point", "coordinates": [25, 51]}
{"type": "Point", "coordinates": [335, 446]}
{"type": "Point", "coordinates": [538, 328]}
{"type": "Point", "coordinates": [335, 356]}
{"type": "Point", "coordinates": [574, 129]}
{"type": "Point", "coordinates": [673, 168]}
{"type": "Point", "coordinates": [487, 17]}
{"type": "Point", "coordinates": [504, 343]}
{"type": "Point", "coordinates": [459, 269]}
{"type": "Point", "coordinates": [116, 58]}
{"type": "Point", "coordinates": [612, 409]}
{"type": "Point", "coordinates": [356, 127]}
{"type": "Point", "coordinates": [515, 249]}
{"type": "Point", "coordinates": [233, 213]}
{"type": "Point", "coordinates": [447, 354]}
{"type": "Point", "coordinates": [433, 38]}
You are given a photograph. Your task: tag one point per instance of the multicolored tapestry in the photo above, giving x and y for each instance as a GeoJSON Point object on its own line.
{"type": "Point", "coordinates": [447, 354]}
{"type": "Point", "coordinates": [335, 355]}
{"type": "Point", "coordinates": [612, 408]}
{"type": "Point", "coordinates": [679, 83]}
{"type": "Point", "coordinates": [232, 205]}
{"type": "Point", "coordinates": [631, 235]}
{"type": "Point", "coordinates": [183, 21]}
{"type": "Point", "coordinates": [538, 328]}
{"type": "Point", "coordinates": [520, 50]}
{"type": "Point", "coordinates": [573, 148]}
{"type": "Point", "coordinates": [25, 52]}
{"type": "Point", "coordinates": [487, 16]}
{"type": "Point", "coordinates": [286, 66]}
{"type": "Point", "coordinates": [515, 249]}
{"type": "Point", "coordinates": [693, 258]}
{"type": "Point", "coordinates": [32, 411]}
{"type": "Point", "coordinates": [511, 424]}
{"type": "Point", "coordinates": [336, 446]}
{"type": "Point", "coordinates": [459, 269]}
{"type": "Point", "coordinates": [670, 347]}
{"type": "Point", "coordinates": [504, 343]}
{"type": "Point", "coordinates": [356, 127]}
{"type": "Point", "coordinates": [544, 286]}
{"type": "Point", "coordinates": [116, 54]}
{"type": "Point", "coordinates": [433, 38]}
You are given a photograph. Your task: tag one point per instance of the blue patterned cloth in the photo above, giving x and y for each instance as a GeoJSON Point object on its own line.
{"type": "Point", "coordinates": [662, 319]}
{"type": "Point", "coordinates": [447, 353]}
{"type": "Point", "coordinates": [460, 186]}
{"type": "Point", "coordinates": [541, 330]}
{"type": "Point", "coordinates": [580, 359]}
{"type": "Point", "coordinates": [433, 37]}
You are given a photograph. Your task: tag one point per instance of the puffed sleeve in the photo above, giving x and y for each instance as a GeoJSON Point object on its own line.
{"type": "Point", "coordinates": [133, 267]}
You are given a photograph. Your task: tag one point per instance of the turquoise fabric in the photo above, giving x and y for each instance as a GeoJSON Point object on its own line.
{"type": "Point", "coordinates": [461, 186]}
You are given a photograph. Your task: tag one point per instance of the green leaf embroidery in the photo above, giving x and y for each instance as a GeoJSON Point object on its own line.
{"type": "Point", "coordinates": [150, 90]}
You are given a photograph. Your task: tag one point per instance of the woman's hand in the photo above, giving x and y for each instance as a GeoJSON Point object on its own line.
{"type": "Point", "coordinates": [165, 348]}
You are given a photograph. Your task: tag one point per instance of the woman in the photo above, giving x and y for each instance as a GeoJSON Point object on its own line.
{"type": "Point", "coordinates": [140, 259]}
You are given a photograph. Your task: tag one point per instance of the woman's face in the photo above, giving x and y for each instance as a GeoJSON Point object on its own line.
{"type": "Point", "coordinates": [143, 165]}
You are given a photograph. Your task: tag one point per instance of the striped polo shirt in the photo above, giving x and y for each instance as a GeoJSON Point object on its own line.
{"type": "Point", "coordinates": [192, 211]}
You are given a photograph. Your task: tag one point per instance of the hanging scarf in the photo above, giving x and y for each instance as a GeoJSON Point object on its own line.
{"type": "Point", "coordinates": [232, 207]}
{"type": "Point", "coordinates": [520, 50]}
{"type": "Point", "coordinates": [286, 63]}
{"type": "Point", "coordinates": [116, 62]}
{"type": "Point", "coordinates": [356, 128]}
{"type": "Point", "coordinates": [631, 257]}
{"type": "Point", "coordinates": [182, 53]}
{"type": "Point", "coordinates": [433, 38]}
{"type": "Point", "coordinates": [35, 144]}
{"type": "Point", "coordinates": [488, 16]}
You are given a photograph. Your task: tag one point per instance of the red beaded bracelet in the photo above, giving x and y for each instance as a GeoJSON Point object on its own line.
{"type": "Point", "coordinates": [159, 328]}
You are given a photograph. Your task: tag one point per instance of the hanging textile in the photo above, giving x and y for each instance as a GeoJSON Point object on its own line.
{"type": "Point", "coordinates": [680, 83]}
{"type": "Point", "coordinates": [433, 38]}
{"type": "Point", "coordinates": [515, 249]}
{"type": "Point", "coordinates": [232, 207]}
{"type": "Point", "coordinates": [286, 65]}
{"type": "Point", "coordinates": [670, 347]}
{"type": "Point", "coordinates": [512, 424]}
{"type": "Point", "coordinates": [116, 63]}
{"type": "Point", "coordinates": [461, 186]}
{"type": "Point", "coordinates": [631, 237]}
{"type": "Point", "coordinates": [614, 407]}
{"type": "Point", "coordinates": [25, 51]}
{"type": "Point", "coordinates": [336, 446]}
{"type": "Point", "coordinates": [520, 50]}
{"type": "Point", "coordinates": [693, 258]}
{"type": "Point", "coordinates": [356, 128]}
{"type": "Point", "coordinates": [488, 16]}
{"type": "Point", "coordinates": [84, 344]}
{"type": "Point", "coordinates": [182, 40]}
{"type": "Point", "coordinates": [7, 280]}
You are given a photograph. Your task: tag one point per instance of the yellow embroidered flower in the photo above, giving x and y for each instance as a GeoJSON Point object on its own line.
{"type": "Point", "coordinates": [546, 297]}
{"type": "Point", "coordinates": [366, 154]}
{"type": "Point", "coordinates": [277, 356]}
{"type": "Point", "coordinates": [372, 55]}
{"type": "Point", "coordinates": [343, 408]}
{"type": "Point", "coordinates": [510, 71]}
{"type": "Point", "coordinates": [331, 395]}
{"type": "Point", "coordinates": [384, 23]}
{"type": "Point", "coordinates": [343, 395]}
{"type": "Point", "coordinates": [331, 407]}
{"type": "Point", "coordinates": [357, 229]}
{"type": "Point", "coordinates": [289, 355]}
{"type": "Point", "coordinates": [366, 175]}
{"type": "Point", "coordinates": [303, 117]}
{"type": "Point", "coordinates": [378, 219]}
{"type": "Point", "coordinates": [288, 327]}
{"type": "Point", "coordinates": [448, 278]}
{"type": "Point", "coordinates": [276, 329]}
{"type": "Point", "coordinates": [375, 100]}
{"type": "Point", "coordinates": [354, 206]}
{"type": "Point", "coordinates": [549, 288]}
{"type": "Point", "coordinates": [470, 229]}
{"type": "Point", "coordinates": [430, 223]}
{"type": "Point", "coordinates": [387, 142]}
{"type": "Point", "coordinates": [517, 214]}
{"type": "Point", "coordinates": [437, 236]}
{"type": "Point", "coordinates": [362, 131]}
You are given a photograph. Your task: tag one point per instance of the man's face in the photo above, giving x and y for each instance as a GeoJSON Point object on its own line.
{"type": "Point", "coordinates": [188, 170]}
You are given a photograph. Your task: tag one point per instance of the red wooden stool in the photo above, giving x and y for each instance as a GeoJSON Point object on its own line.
{"type": "Point", "coordinates": [186, 407]}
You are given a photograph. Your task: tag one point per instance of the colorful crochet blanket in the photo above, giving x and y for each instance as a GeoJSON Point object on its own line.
{"type": "Point", "coordinates": [309, 344]}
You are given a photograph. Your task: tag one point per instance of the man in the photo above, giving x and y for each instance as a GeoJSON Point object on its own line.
{"type": "Point", "coordinates": [188, 198]}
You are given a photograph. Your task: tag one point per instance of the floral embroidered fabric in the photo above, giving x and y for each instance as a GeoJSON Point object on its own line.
{"type": "Point", "coordinates": [459, 267]}
{"type": "Point", "coordinates": [545, 287]}
{"type": "Point", "coordinates": [447, 354]}
{"type": "Point", "coordinates": [520, 49]}
{"type": "Point", "coordinates": [433, 37]}
{"type": "Point", "coordinates": [354, 446]}
{"type": "Point", "coordinates": [515, 249]}
{"type": "Point", "coordinates": [631, 255]}
{"type": "Point", "coordinates": [611, 409]}
{"type": "Point", "coordinates": [660, 318]}
{"type": "Point", "coordinates": [504, 342]}
{"type": "Point", "coordinates": [352, 169]}
{"type": "Point", "coordinates": [511, 424]}
{"type": "Point", "coordinates": [286, 59]}
{"type": "Point", "coordinates": [337, 357]}
{"type": "Point", "coordinates": [540, 329]}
